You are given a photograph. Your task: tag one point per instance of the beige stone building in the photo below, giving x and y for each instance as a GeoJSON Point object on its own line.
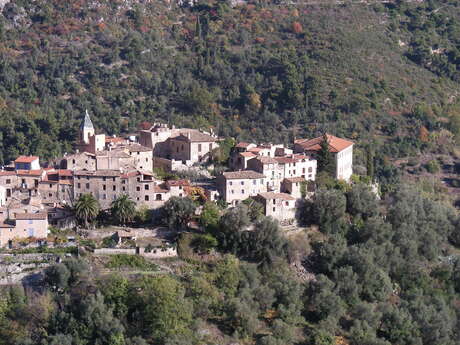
{"type": "Point", "coordinates": [190, 146]}
{"type": "Point", "coordinates": [280, 206]}
{"type": "Point", "coordinates": [297, 165]}
{"type": "Point", "coordinates": [25, 225]}
{"type": "Point", "coordinates": [235, 186]}
{"type": "Point", "coordinates": [269, 167]}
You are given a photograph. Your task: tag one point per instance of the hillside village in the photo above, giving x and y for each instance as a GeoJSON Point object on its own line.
{"type": "Point", "coordinates": [34, 195]}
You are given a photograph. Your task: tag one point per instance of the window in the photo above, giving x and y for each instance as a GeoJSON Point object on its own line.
{"type": "Point", "coordinates": [73, 161]}
{"type": "Point", "coordinates": [146, 187]}
{"type": "Point", "coordinates": [287, 203]}
{"type": "Point", "coordinates": [232, 191]}
{"type": "Point", "coordinates": [146, 159]}
{"type": "Point", "coordinates": [8, 181]}
{"type": "Point", "coordinates": [182, 148]}
{"type": "Point", "coordinates": [303, 170]}
{"type": "Point", "coordinates": [177, 150]}
{"type": "Point", "coordinates": [274, 201]}
{"type": "Point", "coordinates": [51, 186]}
{"type": "Point", "coordinates": [158, 197]}
{"type": "Point", "coordinates": [261, 181]}
{"type": "Point", "coordinates": [274, 209]}
{"type": "Point", "coordinates": [146, 198]}
{"type": "Point", "coordinates": [104, 187]}
{"type": "Point", "coordinates": [114, 188]}
{"type": "Point", "coordinates": [124, 189]}
{"type": "Point", "coordinates": [230, 183]}
{"type": "Point", "coordinates": [138, 188]}
{"type": "Point", "coordinates": [104, 196]}
{"type": "Point", "coordinates": [78, 185]}
{"type": "Point", "coordinates": [50, 195]}
{"type": "Point", "coordinates": [30, 221]}
{"type": "Point", "coordinates": [180, 195]}
{"type": "Point", "coordinates": [310, 169]}
{"type": "Point", "coordinates": [103, 179]}
{"type": "Point", "coordinates": [242, 191]}
{"type": "Point", "coordinates": [254, 182]}
{"type": "Point", "coordinates": [87, 186]}
{"type": "Point", "coordinates": [242, 183]}
{"type": "Point", "coordinates": [114, 179]}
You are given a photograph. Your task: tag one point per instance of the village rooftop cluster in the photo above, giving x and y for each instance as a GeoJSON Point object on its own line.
{"type": "Point", "coordinates": [33, 195]}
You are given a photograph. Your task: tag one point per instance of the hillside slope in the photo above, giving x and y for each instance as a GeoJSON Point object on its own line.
{"type": "Point", "coordinates": [265, 72]}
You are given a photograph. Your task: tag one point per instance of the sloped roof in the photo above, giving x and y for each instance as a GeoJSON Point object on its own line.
{"type": "Point", "coordinates": [266, 160]}
{"type": "Point", "coordinates": [272, 195]}
{"type": "Point", "coordinates": [242, 145]}
{"type": "Point", "coordinates": [295, 179]}
{"type": "Point", "coordinates": [335, 144]}
{"type": "Point", "coordinates": [26, 159]}
{"type": "Point", "coordinates": [248, 154]}
{"type": "Point", "coordinates": [174, 183]}
{"type": "Point", "coordinates": [243, 174]}
{"type": "Point", "coordinates": [27, 216]}
{"type": "Point", "coordinates": [196, 136]}
{"type": "Point", "coordinates": [138, 148]}
{"type": "Point", "coordinates": [29, 172]}
{"type": "Point", "coordinates": [87, 123]}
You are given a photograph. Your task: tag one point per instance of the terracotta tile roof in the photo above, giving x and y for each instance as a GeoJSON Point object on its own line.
{"type": "Point", "coordinates": [98, 173]}
{"type": "Point", "coordinates": [26, 159]}
{"type": "Point", "coordinates": [242, 145]}
{"type": "Point", "coordinates": [109, 140]}
{"type": "Point", "coordinates": [174, 183]}
{"type": "Point", "coordinates": [159, 189]}
{"type": "Point", "coordinates": [256, 149]}
{"type": "Point", "coordinates": [295, 179]}
{"type": "Point", "coordinates": [248, 154]}
{"type": "Point", "coordinates": [285, 160]}
{"type": "Point", "coordinates": [117, 153]}
{"type": "Point", "coordinates": [29, 172]}
{"type": "Point", "coordinates": [68, 182]}
{"type": "Point", "coordinates": [138, 148]}
{"type": "Point", "coordinates": [130, 174]}
{"type": "Point", "coordinates": [243, 174]}
{"type": "Point", "coordinates": [271, 195]}
{"type": "Point", "coordinates": [65, 172]}
{"type": "Point", "coordinates": [266, 160]}
{"type": "Point", "coordinates": [7, 173]}
{"type": "Point", "coordinates": [26, 216]}
{"type": "Point", "coordinates": [6, 226]}
{"type": "Point", "coordinates": [335, 144]}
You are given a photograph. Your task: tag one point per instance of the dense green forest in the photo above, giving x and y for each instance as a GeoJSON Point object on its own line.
{"type": "Point", "coordinates": [379, 273]}
{"type": "Point", "coordinates": [384, 74]}
{"type": "Point", "coordinates": [366, 271]}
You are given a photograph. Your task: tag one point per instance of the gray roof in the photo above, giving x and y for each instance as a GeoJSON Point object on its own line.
{"type": "Point", "coordinates": [87, 123]}
{"type": "Point", "coordinates": [243, 174]}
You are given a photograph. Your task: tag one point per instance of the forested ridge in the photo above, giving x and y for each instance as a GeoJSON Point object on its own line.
{"type": "Point", "coordinates": [366, 268]}
{"type": "Point", "coordinates": [384, 74]}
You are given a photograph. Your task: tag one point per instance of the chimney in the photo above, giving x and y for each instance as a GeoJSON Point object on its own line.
{"type": "Point", "coordinates": [188, 135]}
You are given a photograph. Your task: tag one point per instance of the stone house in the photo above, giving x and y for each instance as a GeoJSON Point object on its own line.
{"type": "Point", "coordinates": [192, 147]}
{"type": "Point", "coordinates": [293, 186]}
{"type": "Point", "coordinates": [269, 167]}
{"type": "Point", "coordinates": [78, 161]}
{"type": "Point", "coordinates": [57, 187]}
{"type": "Point", "coordinates": [27, 163]}
{"type": "Point", "coordinates": [177, 187]}
{"type": "Point", "coordinates": [239, 160]}
{"type": "Point", "coordinates": [142, 157]}
{"type": "Point", "coordinates": [280, 206]}
{"type": "Point", "coordinates": [341, 149]}
{"type": "Point", "coordinates": [25, 225]}
{"type": "Point", "coordinates": [235, 186]}
{"type": "Point", "coordinates": [187, 145]}
{"type": "Point", "coordinates": [104, 185]}
{"type": "Point", "coordinates": [9, 180]}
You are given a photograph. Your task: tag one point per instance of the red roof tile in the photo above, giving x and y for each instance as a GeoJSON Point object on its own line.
{"type": "Point", "coordinates": [248, 154]}
{"type": "Point", "coordinates": [29, 172]}
{"type": "Point", "coordinates": [335, 144]}
{"type": "Point", "coordinates": [26, 159]}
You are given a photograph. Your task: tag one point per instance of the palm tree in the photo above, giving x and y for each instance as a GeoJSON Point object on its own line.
{"type": "Point", "coordinates": [123, 209]}
{"type": "Point", "coordinates": [86, 209]}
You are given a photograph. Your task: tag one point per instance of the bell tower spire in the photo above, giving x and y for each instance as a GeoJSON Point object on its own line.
{"type": "Point", "coordinates": [86, 129]}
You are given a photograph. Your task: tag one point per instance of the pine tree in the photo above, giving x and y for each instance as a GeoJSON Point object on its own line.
{"type": "Point", "coordinates": [325, 158]}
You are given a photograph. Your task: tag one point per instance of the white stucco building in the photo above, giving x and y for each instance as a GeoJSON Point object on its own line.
{"type": "Point", "coordinates": [342, 150]}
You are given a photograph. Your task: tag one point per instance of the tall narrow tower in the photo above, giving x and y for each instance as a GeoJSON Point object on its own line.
{"type": "Point", "coordinates": [86, 129]}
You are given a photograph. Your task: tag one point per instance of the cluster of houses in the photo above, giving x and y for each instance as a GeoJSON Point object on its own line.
{"type": "Point", "coordinates": [33, 195]}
